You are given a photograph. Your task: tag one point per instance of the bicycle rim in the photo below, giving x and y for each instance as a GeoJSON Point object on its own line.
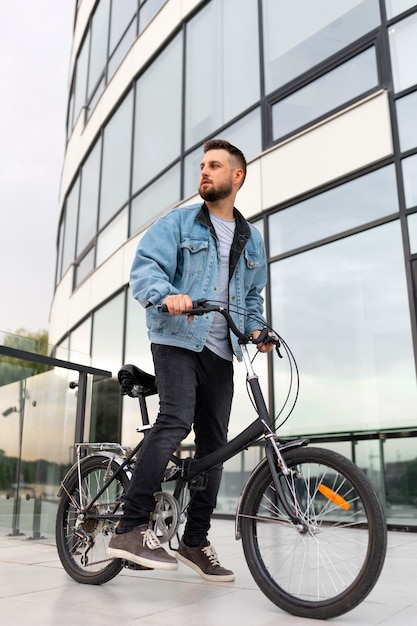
{"type": "Point", "coordinates": [328, 564]}
{"type": "Point", "coordinates": [82, 543]}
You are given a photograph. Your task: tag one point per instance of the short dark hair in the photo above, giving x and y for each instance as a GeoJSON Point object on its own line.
{"type": "Point", "coordinates": [235, 153]}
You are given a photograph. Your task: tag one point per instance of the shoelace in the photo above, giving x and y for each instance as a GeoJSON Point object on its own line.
{"type": "Point", "coordinates": [211, 554]}
{"type": "Point", "coordinates": [150, 539]}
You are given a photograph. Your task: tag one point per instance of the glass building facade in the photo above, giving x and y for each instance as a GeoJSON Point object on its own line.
{"type": "Point", "coordinates": [322, 99]}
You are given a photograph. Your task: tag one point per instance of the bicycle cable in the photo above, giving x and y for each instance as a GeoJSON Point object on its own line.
{"type": "Point", "coordinates": [294, 378]}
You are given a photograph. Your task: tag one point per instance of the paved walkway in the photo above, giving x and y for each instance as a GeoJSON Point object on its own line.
{"type": "Point", "coordinates": [34, 589]}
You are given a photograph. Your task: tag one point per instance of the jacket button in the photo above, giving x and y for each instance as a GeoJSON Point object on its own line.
{"type": "Point", "coordinates": [251, 263]}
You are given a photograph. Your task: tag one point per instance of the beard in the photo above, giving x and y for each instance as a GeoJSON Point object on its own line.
{"type": "Point", "coordinates": [212, 194]}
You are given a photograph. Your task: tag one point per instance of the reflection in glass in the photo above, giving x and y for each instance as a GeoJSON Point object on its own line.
{"type": "Point", "coordinates": [346, 82]}
{"type": "Point", "coordinates": [116, 161]}
{"type": "Point", "coordinates": [107, 352]}
{"type": "Point", "coordinates": [403, 47]}
{"type": "Point", "coordinates": [112, 237]}
{"type": "Point", "coordinates": [121, 15]}
{"type": "Point", "coordinates": [148, 11]}
{"type": "Point", "coordinates": [343, 309]}
{"type": "Point", "coordinates": [400, 477]}
{"type": "Point", "coordinates": [232, 66]}
{"type": "Point", "coordinates": [299, 35]}
{"type": "Point", "coordinates": [412, 232]}
{"type": "Point", "coordinates": [155, 200]}
{"type": "Point", "coordinates": [84, 267]}
{"type": "Point", "coordinates": [407, 121]}
{"type": "Point", "coordinates": [98, 48]}
{"type": "Point", "coordinates": [90, 177]}
{"type": "Point", "coordinates": [121, 50]}
{"type": "Point", "coordinates": [395, 7]}
{"type": "Point", "coordinates": [71, 212]}
{"type": "Point", "coordinates": [80, 341]}
{"type": "Point", "coordinates": [106, 346]}
{"type": "Point", "coordinates": [347, 206]}
{"type": "Point", "coordinates": [409, 167]}
{"type": "Point", "coordinates": [157, 140]}
{"type": "Point", "coordinates": [80, 90]}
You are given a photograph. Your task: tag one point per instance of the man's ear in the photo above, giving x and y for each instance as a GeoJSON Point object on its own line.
{"type": "Point", "coordinates": [238, 176]}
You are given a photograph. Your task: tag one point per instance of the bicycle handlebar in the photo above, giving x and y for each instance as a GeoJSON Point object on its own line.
{"type": "Point", "coordinates": [202, 306]}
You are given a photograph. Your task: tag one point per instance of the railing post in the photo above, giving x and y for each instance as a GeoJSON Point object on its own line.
{"type": "Point", "coordinates": [81, 406]}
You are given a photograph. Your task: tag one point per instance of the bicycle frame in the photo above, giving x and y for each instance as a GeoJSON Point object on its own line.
{"type": "Point", "coordinates": [189, 469]}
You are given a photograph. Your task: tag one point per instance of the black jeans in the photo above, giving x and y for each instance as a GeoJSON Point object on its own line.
{"type": "Point", "coordinates": [194, 388]}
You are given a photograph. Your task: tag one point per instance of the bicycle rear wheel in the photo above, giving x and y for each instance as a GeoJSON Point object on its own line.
{"type": "Point", "coordinates": [82, 539]}
{"type": "Point", "coordinates": [329, 563]}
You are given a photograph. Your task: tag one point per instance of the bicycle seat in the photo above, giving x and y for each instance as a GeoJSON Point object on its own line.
{"type": "Point", "coordinates": [134, 382]}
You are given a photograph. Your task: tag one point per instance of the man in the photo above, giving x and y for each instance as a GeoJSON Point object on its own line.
{"type": "Point", "coordinates": [200, 251]}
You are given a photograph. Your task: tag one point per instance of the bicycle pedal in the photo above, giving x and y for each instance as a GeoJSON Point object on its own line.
{"type": "Point", "coordinates": [135, 566]}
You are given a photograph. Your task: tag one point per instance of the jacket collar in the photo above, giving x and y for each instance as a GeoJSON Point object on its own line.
{"type": "Point", "coordinates": [240, 238]}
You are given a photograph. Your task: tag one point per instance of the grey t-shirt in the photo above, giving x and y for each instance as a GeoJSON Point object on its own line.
{"type": "Point", "coordinates": [218, 338]}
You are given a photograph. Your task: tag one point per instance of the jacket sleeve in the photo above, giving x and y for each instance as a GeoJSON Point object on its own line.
{"type": "Point", "coordinates": [154, 265]}
{"type": "Point", "coordinates": [254, 300]}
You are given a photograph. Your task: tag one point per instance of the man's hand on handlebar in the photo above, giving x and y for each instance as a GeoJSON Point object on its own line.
{"type": "Point", "coordinates": [179, 303]}
{"type": "Point", "coordinates": [263, 347]}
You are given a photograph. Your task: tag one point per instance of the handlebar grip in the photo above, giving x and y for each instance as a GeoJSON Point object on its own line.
{"type": "Point", "coordinates": [196, 304]}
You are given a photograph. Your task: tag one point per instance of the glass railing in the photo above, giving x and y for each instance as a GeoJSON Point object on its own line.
{"type": "Point", "coordinates": [45, 404]}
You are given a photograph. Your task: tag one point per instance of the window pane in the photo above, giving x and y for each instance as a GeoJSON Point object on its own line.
{"type": "Point", "coordinates": [107, 351]}
{"type": "Point", "coordinates": [116, 161]}
{"type": "Point", "coordinates": [87, 221]}
{"type": "Point", "coordinates": [121, 15]}
{"type": "Point", "coordinates": [343, 308]}
{"type": "Point", "coordinates": [412, 232]}
{"type": "Point", "coordinates": [84, 267]}
{"type": "Point", "coordinates": [155, 199]}
{"type": "Point", "coordinates": [80, 340]}
{"type": "Point", "coordinates": [112, 237]}
{"type": "Point", "coordinates": [346, 82]}
{"type": "Point", "coordinates": [148, 11]}
{"type": "Point", "coordinates": [107, 345]}
{"type": "Point", "coordinates": [246, 134]}
{"type": "Point", "coordinates": [71, 212]}
{"type": "Point", "coordinates": [299, 35]}
{"type": "Point", "coordinates": [233, 69]}
{"type": "Point", "coordinates": [98, 50]}
{"type": "Point", "coordinates": [80, 91]}
{"type": "Point", "coordinates": [357, 202]}
{"type": "Point", "coordinates": [395, 7]}
{"type": "Point", "coordinates": [407, 121]}
{"type": "Point", "coordinates": [409, 166]}
{"type": "Point", "coordinates": [158, 115]}
{"type": "Point", "coordinates": [403, 47]}
{"type": "Point", "coordinates": [121, 50]}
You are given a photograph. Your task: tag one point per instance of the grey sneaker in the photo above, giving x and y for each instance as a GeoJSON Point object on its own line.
{"type": "Point", "coordinates": [141, 546]}
{"type": "Point", "coordinates": [204, 561]}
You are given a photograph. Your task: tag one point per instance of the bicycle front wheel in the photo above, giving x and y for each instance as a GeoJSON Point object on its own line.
{"type": "Point", "coordinates": [329, 562]}
{"type": "Point", "coordinates": [82, 538]}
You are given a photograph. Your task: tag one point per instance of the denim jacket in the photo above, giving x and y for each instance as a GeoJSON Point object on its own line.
{"type": "Point", "coordinates": [179, 254]}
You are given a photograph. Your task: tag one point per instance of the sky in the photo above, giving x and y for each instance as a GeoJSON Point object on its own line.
{"type": "Point", "coordinates": [35, 50]}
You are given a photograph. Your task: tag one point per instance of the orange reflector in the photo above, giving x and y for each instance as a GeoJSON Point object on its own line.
{"type": "Point", "coordinates": [334, 497]}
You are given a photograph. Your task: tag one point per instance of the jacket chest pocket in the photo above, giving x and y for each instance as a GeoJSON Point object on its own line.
{"type": "Point", "coordinates": [194, 256]}
{"type": "Point", "coordinates": [252, 259]}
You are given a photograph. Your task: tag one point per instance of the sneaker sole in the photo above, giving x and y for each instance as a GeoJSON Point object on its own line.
{"type": "Point", "coordinates": [129, 556]}
{"type": "Point", "coordinates": [227, 578]}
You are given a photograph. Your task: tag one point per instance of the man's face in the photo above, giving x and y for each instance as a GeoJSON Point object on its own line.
{"type": "Point", "coordinates": [216, 176]}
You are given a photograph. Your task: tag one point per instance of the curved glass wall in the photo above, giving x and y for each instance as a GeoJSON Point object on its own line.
{"type": "Point", "coordinates": [342, 255]}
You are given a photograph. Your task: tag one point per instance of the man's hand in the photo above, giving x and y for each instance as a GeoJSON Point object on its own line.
{"type": "Point", "coordinates": [262, 347]}
{"type": "Point", "coordinates": [177, 304]}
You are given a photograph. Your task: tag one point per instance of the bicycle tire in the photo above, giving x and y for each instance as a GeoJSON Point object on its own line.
{"type": "Point", "coordinates": [327, 567]}
{"type": "Point", "coordinates": [93, 566]}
